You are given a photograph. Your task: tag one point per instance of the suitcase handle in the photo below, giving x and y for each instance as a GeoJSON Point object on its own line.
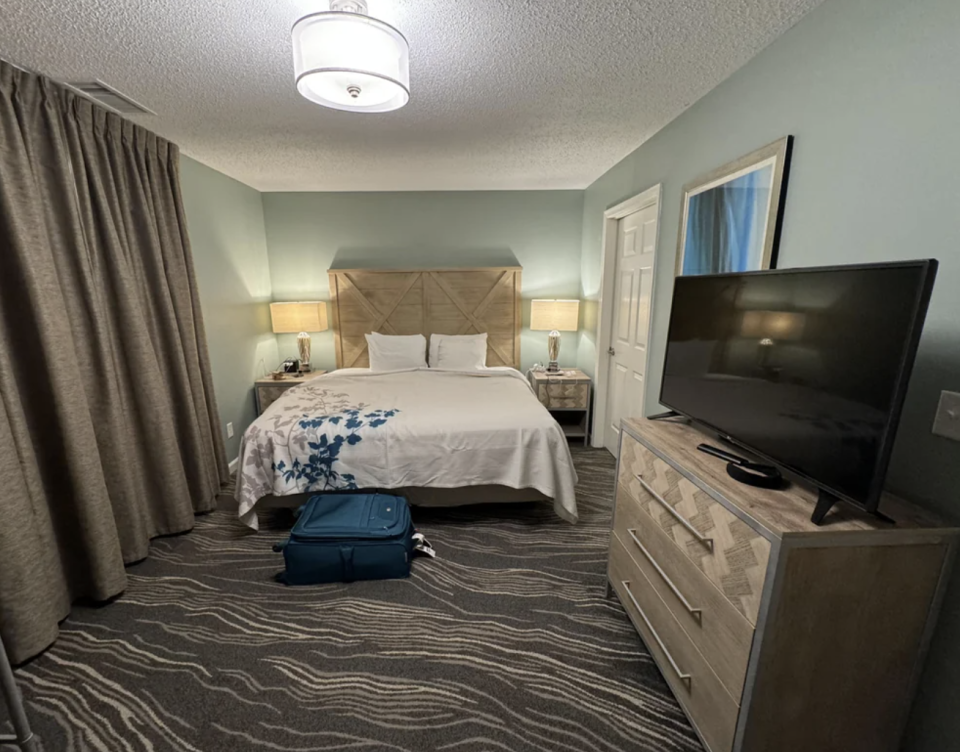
{"type": "Point", "coordinates": [278, 547]}
{"type": "Point", "coordinates": [346, 559]}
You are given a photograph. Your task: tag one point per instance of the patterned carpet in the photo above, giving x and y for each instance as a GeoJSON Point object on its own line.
{"type": "Point", "coordinates": [504, 642]}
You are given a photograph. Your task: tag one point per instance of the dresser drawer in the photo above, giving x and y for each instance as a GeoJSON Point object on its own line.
{"type": "Point", "coordinates": [720, 632]}
{"type": "Point", "coordinates": [728, 551]}
{"type": "Point", "coordinates": [696, 686]}
{"type": "Point", "coordinates": [559, 395]}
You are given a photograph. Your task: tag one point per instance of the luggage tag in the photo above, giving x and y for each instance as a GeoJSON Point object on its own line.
{"type": "Point", "coordinates": [421, 544]}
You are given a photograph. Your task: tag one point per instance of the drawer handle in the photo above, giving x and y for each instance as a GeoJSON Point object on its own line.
{"type": "Point", "coordinates": [708, 542]}
{"type": "Point", "coordinates": [685, 678]}
{"type": "Point", "coordinates": [697, 613]}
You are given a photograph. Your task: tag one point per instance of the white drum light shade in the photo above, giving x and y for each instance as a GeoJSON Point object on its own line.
{"type": "Point", "coordinates": [346, 60]}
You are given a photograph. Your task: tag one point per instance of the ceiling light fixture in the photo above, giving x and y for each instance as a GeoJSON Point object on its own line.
{"type": "Point", "coordinates": [346, 60]}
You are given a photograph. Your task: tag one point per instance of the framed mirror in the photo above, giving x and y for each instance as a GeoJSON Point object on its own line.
{"type": "Point", "coordinates": [731, 218]}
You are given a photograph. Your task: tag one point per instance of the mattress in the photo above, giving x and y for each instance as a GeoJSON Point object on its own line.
{"type": "Point", "coordinates": [413, 429]}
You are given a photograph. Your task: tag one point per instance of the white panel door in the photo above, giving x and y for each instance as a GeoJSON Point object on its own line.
{"type": "Point", "coordinates": [636, 246]}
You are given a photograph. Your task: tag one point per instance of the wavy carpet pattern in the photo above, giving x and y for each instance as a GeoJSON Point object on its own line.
{"type": "Point", "coordinates": [506, 641]}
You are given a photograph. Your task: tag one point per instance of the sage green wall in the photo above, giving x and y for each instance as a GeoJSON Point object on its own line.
{"type": "Point", "coordinates": [542, 229]}
{"type": "Point", "coordinates": [225, 223]}
{"type": "Point", "coordinates": [871, 90]}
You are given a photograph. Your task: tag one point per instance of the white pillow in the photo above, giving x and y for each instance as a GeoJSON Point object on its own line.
{"type": "Point", "coordinates": [467, 353]}
{"type": "Point", "coordinates": [394, 353]}
{"type": "Point", "coordinates": [436, 339]}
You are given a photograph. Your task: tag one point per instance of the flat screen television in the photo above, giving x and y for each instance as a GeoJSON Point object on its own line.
{"type": "Point", "coordinates": [806, 368]}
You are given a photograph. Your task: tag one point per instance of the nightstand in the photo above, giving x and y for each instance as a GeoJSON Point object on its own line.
{"type": "Point", "coordinates": [566, 395]}
{"type": "Point", "coordinates": [269, 390]}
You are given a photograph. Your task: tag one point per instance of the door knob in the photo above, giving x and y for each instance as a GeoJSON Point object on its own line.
{"type": "Point", "coordinates": [611, 351]}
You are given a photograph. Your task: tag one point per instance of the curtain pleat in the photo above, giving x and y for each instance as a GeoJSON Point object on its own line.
{"type": "Point", "coordinates": [107, 414]}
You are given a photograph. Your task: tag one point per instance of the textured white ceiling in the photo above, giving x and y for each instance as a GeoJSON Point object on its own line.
{"type": "Point", "coordinates": [507, 94]}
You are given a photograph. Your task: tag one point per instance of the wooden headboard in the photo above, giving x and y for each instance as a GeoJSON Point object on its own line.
{"type": "Point", "coordinates": [426, 301]}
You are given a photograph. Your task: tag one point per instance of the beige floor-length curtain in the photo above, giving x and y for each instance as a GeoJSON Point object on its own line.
{"type": "Point", "coordinates": [107, 414]}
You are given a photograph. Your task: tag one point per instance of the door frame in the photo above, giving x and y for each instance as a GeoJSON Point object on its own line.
{"type": "Point", "coordinates": [608, 269]}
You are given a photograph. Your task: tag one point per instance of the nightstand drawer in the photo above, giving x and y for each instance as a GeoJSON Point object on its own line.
{"type": "Point", "coordinates": [693, 682]}
{"type": "Point", "coordinates": [564, 395]}
{"type": "Point", "coordinates": [269, 391]}
{"type": "Point", "coordinates": [720, 632]}
{"type": "Point", "coordinates": [267, 395]}
{"type": "Point", "coordinates": [729, 552]}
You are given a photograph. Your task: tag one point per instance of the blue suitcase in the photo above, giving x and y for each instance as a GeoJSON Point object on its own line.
{"type": "Point", "coordinates": [342, 538]}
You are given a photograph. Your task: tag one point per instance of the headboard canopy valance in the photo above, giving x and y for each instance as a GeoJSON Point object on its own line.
{"type": "Point", "coordinates": [426, 301]}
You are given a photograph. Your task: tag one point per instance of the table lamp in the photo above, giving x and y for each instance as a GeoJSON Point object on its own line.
{"type": "Point", "coordinates": [299, 319]}
{"type": "Point", "coordinates": [554, 316]}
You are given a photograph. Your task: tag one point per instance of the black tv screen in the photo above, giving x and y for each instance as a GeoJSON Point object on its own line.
{"type": "Point", "coordinates": [806, 368]}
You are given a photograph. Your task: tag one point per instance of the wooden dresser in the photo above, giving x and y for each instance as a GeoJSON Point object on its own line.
{"type": "Point", "coordinates": [772, 632]}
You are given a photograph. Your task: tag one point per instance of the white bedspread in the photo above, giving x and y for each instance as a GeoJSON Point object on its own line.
{"type": "Point", "coordinates": [357, 428]}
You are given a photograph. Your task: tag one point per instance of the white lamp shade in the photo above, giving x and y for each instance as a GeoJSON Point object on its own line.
{"type": "Point", "coordinates": [559, 315]}
{"type": "Point", "coordinates": [293, 318]}
{"type": "Point", "coordinates": [349, 61]}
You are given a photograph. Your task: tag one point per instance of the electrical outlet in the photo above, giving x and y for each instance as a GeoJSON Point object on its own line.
{"type": "Point", "coordinates": [229, 430]}
{"type": "Point", "coordinates": [947, 422]}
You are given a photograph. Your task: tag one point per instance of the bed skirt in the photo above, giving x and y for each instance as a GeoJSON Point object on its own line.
{"type": "Point", "coordinates": [418, 497]}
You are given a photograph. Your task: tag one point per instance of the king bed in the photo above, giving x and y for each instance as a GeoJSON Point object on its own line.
{"type": "Point", "coordinates": [441, 436]}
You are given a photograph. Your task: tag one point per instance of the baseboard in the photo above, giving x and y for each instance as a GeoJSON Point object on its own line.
{"type": "Point", "coordinates": [234, 465]}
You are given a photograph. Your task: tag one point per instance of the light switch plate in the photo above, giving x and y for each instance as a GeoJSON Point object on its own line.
{"type": "Point", "coordinates": [229, 430]}
{"type": "Point", "coordinates": [947, 422]}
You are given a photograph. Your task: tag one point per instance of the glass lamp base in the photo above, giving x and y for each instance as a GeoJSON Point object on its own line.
{"type": "Point", "coordinates": [553, 351]}
{"type": "Point", "coordinates": [303, 346]}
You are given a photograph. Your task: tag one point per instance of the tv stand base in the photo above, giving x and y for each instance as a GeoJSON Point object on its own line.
{"type": "Point", "coordinates": [666, 415]}
{"type": "Point", "coordinates": [826, 501]}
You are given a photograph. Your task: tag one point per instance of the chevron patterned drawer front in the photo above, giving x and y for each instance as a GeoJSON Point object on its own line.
{"type": "Point", "coordinates": [736, 558]}
{"type": "Point", "coordinates": [556, 396]}
{"type": "Point", "coordinates": [270, 394]}
{"type": "Point", "coordinates": [718, 629]}
{"type": "Point", "coordinates": [697, 688]}
{"type": "Point", "coordinates": [270, 390]}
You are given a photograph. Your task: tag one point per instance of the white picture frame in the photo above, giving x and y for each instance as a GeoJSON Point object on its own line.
{"type": "Point", "coordinates": [732, 217]}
